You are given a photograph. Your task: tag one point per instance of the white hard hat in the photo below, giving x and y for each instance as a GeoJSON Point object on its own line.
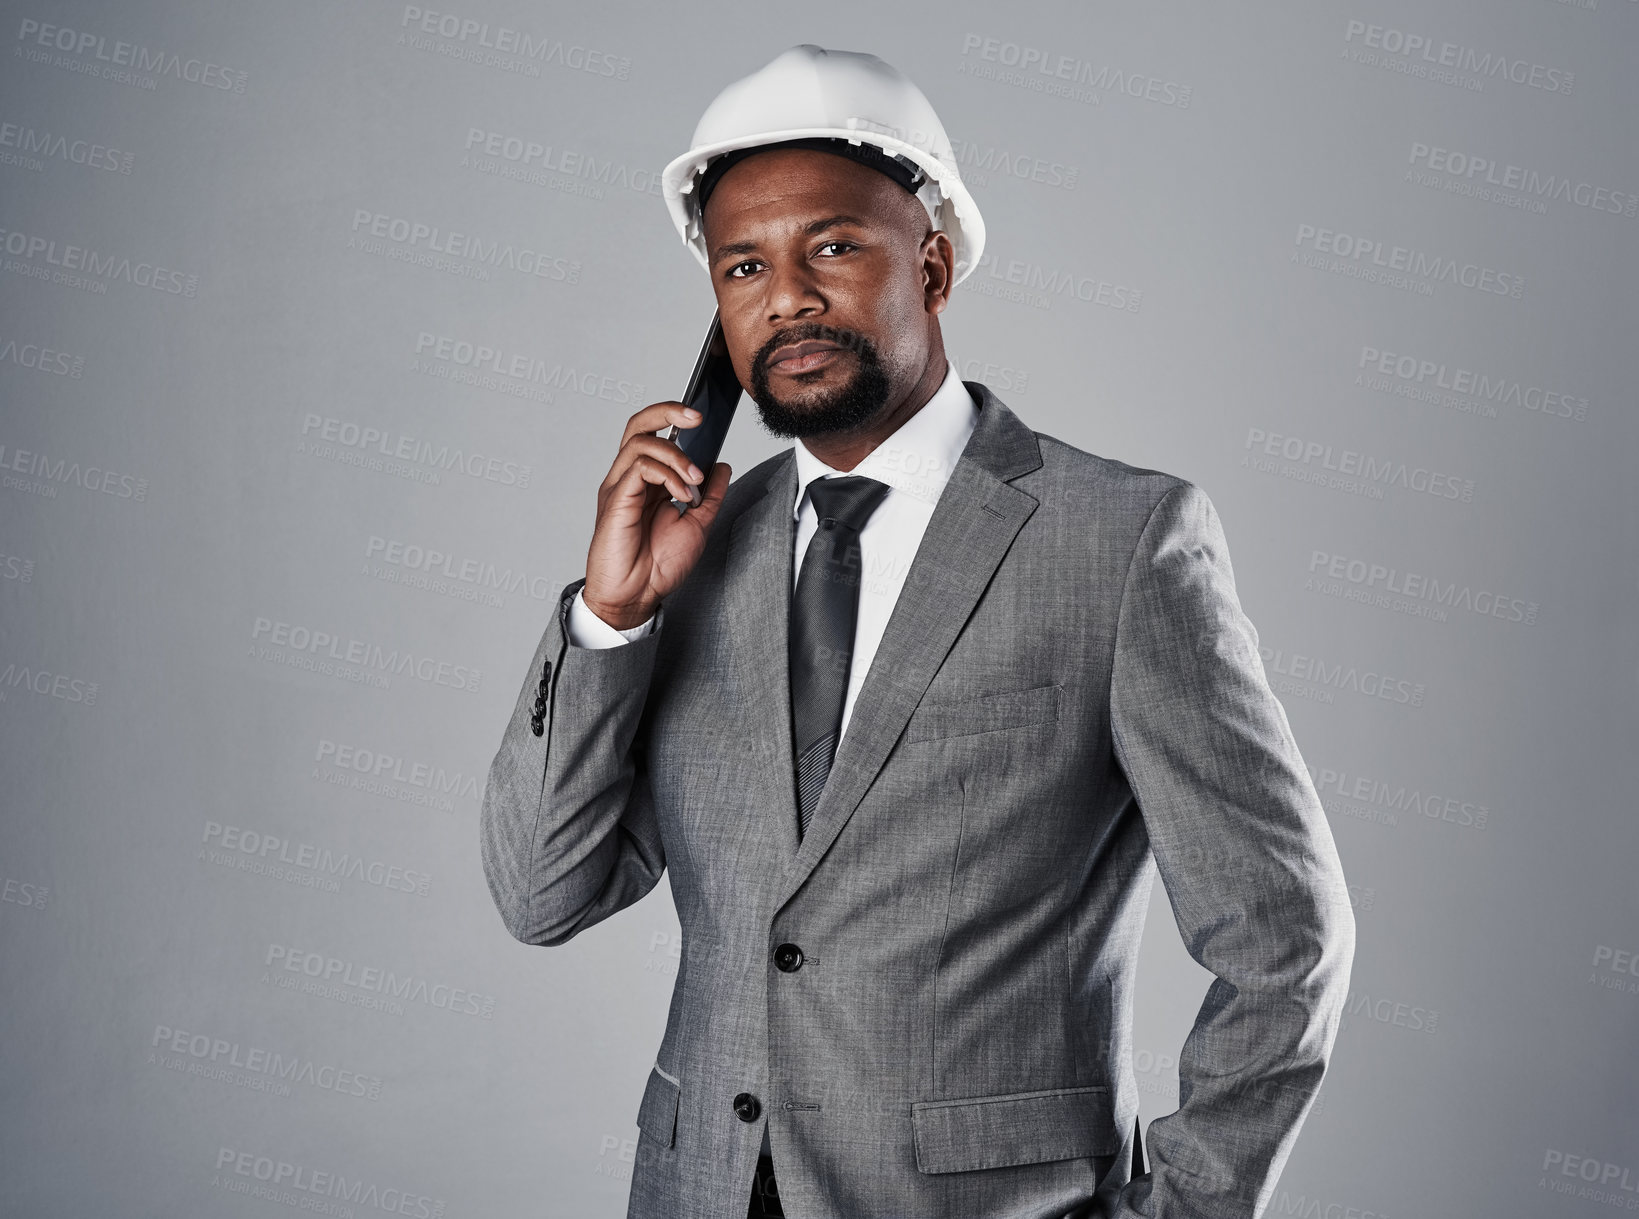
{"type": "Point", "coordinates": [809, 92]}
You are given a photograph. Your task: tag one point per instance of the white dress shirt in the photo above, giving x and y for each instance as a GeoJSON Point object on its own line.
{"type": "Point", "coordinates": [915, 461]}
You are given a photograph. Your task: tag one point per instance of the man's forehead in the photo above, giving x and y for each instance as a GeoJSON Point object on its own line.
{"type": "Point", "coordinates": [799, 220]}
{"type": "Point", "coordinates": [777, 203]}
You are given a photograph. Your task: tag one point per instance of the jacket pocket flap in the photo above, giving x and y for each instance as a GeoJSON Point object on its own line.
{"type": "Point", "coordinates": [1019, 1128]}
{"type": "Point", "coordinates": [984, 713]}
{"type": "Point", "coordinates": [657, 1115]}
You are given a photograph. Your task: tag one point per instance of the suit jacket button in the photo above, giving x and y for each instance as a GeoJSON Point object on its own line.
{"type": "Point", "coordinates": [788, 958]}
{"type": "Point", "coordinates": [747, 1106]}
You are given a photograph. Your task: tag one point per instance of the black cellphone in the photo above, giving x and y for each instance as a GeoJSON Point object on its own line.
{"type": "Point", "coordinates": [714, 390]}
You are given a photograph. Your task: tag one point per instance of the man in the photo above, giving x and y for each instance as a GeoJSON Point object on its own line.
{"type": "Point", "coordinates": [913, 743]}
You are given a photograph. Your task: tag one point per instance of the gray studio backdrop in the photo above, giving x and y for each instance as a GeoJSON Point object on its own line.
{"type": "Point", "coordinates": [321, 324]}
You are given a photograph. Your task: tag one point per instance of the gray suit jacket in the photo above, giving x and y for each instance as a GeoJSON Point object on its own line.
{"type": "Point", "coordinates": [1067, 695]}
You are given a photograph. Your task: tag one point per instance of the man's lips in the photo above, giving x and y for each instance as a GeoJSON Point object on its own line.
{"type": "Point", "coordinates": [799, 357]}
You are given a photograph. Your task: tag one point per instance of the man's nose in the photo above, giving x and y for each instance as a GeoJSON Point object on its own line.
{"type": "Point", "coordinates": [793, 292]}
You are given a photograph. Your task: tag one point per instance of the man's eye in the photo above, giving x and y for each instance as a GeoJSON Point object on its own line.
{"type": "Point", "coordinates": [734, 271]}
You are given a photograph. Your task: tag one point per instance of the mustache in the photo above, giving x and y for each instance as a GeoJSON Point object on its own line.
{"type": "Point", "coordinates": [847, 340]}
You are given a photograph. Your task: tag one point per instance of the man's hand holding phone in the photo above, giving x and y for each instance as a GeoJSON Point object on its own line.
{"type": "Point", "coordinates": [642, 547]}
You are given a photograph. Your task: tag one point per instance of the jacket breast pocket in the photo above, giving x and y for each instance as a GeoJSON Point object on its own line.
{"type": "Point", "coordinates": [983, 713]}
{"type": "Point", "coordinates": [657, 1115]}
{"type": "Point", "coordinates": [1017, 1128]}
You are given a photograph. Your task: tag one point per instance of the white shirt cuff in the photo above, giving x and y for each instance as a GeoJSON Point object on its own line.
{"type": "Point", "coordinates": [587, 630]}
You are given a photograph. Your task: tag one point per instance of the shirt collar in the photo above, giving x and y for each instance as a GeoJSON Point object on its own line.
{"type": "Point", "coordinates": [917, 459]}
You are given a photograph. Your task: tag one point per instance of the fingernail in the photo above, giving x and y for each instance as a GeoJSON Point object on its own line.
{"type": "Point", "coordinates": [694, 473]}
{"type": "Point", "coordinates": [691, 412]}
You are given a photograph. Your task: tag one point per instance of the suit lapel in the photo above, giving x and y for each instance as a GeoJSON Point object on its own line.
{"type": "Point", "coordinates": [757, 579]}
{"type": "Point", "coordinates": [973, 524]}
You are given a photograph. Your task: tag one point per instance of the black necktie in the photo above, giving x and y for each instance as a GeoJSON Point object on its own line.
{"type": "Point", "coordinates": [823, 612]}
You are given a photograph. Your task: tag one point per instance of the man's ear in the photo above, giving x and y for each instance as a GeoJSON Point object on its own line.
{"type": "Point", "coordinates": [938, 270]}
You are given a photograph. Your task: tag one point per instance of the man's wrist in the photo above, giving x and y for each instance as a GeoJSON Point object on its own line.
{"type": "Point", "coordinates": [621, 620]}
{"type": "Point", "coordinates": [587, 630]}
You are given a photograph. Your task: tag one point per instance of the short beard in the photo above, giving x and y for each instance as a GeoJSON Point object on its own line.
{"type": "Point", "coordinates": [847, 408]}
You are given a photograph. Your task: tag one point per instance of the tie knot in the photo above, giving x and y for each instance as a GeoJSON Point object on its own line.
{"type": "Point", "coordinates": [848, 500]}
